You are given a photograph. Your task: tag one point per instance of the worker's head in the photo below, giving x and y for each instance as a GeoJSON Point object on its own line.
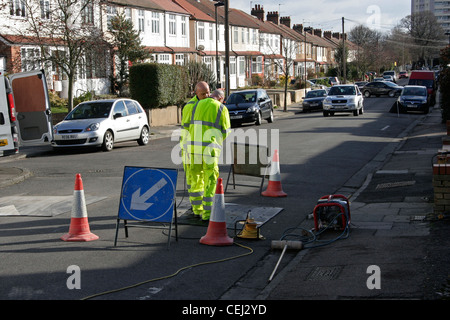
{"type": "Point", "coordinates": [202, 90]}
{"type": "Point", "coordinates": [218, 95]}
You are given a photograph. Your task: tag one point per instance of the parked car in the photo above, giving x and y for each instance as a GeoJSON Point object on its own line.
{"type": "Point", "coordinates": [379, 88]}
{"type": "Point", "coordinates": [314, 100]}
{"type": "Point", "coordinates": [403, 74]}
{"type": "Point", "coordinates": [361, 84]}
{"type": "Point", "coordinates": [427, 79]}
{"type": "Point", "coordinates": [378, 79]}
{"type": "Point", "coordinates": [391, 73]}
{"type": "Point", "coordinates": [343, 98]}
{"type": "Point", "coordinates": [25, 115]}
{"type": "Point", "coordinates": [334, 81]}
{"type": "Point", "coordinates": [251, 105]}
{"type": "Point", "coordinates": [102, 123]}
{"type": "Point", "coordinates": [388, 78]}
{"type": "Point", "coordinates": [414, 98]}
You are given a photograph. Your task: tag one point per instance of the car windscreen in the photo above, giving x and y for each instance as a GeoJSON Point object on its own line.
{"type": "Point", "coordinates": [342, 91]}
{"type": "Point", "coordinates": [414, 92]}
{"type": "Point", "coordinates": [242, 97]}
{"type": "Point", "coordinates": [316, 94]}
{"type": "Point", "coordinates": [90, 111]}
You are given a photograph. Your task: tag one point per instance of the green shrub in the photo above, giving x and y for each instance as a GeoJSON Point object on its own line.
{"type": "Point", "coordinates": [158, 85]}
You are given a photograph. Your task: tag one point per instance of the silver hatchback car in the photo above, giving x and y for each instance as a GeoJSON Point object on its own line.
{"type": "Point", "coordinates": [101, 123]}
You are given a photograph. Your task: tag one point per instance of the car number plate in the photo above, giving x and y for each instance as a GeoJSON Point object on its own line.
{"type": "Point", "coordinates": [412, 106]}
{"type": "Point", "coordinates": [314, 104]}
{"type": "Point", "coordinates": [69, 137]}
{"type": "Point", "coordinates": [235, 117]}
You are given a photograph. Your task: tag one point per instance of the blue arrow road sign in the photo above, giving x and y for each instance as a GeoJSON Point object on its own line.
{"type": "Point", "coordinates": [148, 194]}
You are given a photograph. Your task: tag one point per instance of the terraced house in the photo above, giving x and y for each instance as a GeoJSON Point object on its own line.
{"type": "Point", "coordinates": [174, 31]}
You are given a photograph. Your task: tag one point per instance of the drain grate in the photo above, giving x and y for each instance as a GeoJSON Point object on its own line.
{"type": "Point", "coordinates": [324, 273]}
{"type": "Point", "coordinates": [395, 184]}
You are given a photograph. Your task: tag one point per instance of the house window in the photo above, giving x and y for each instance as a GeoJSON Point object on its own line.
{"type": "Point", "coordinates": [183, 26]}
{"type": "Point", "coordinates": [87, 15]}
{"type": "Point", "coordinates": [208, 62]}
{"type": "Point", "coordinates": [179, 59]}
{"type": "Point", "coordinates": [110, 14]}
{"type": "Point", "coordinates": [141, 20]}
{"type": "Point", "coordinates": [236, 35]}
{"type": "Point", "coordinates": [17, 8]}
{"type": "Point", "coordinates": [155, 22]}
{"type": "Point", "coordinates": [128, 13]}
{"type": "Point", "coordinates": [31, 59]}
{"type": "Point", "coordinates": [255, 41]}
{"type": "Point", "coordinates": [164, 58]}
{"type": "Point", "coordinates": [201, 31]}
{"type": "Point", "coordinates": [257, 64]}
{"type": "Point", "coordinates": [172, 25]}
{"type": "Point", "coordinates": [211, 37]}
{"type": "Point", "coordinates": [45, 9]}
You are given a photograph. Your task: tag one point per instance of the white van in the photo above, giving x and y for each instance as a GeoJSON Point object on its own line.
{"type": "Point", "coordinates": [25, 114]}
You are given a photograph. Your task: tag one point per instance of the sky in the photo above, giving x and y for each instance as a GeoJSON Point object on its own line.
{"type": "Point", "coordinates": [381, 15]}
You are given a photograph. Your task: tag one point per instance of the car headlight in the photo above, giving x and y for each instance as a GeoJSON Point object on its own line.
{"type": "Point", "coordinates": [251, 109]}
{"type": "Point", "coordinates": [93, 127]}
{"type": "Point", "coordinates": [327, 101]}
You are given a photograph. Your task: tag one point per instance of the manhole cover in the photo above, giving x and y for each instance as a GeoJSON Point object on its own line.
{"type": "Point", "coordinates": [395, 184]}
{"type": "Point", "coordinates": [324, 273]}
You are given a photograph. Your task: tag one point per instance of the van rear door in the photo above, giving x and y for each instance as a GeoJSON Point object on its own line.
{"type": "Point", "coordinates": [6, 129]}
{"type": "Point", "coordinates": [32, 106]}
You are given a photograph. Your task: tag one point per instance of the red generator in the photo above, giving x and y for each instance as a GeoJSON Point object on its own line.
{"type": "Point", "coordinates": [332, 211]}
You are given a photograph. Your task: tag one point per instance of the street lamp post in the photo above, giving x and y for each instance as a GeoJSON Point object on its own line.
{"type": "Point", "coordinates": [227, 45]}
{"type": "Point", "coordinates": [216, 5]}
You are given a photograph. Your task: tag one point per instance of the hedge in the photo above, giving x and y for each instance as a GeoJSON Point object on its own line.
{"type": "Point", "coordinates": [158, 85]}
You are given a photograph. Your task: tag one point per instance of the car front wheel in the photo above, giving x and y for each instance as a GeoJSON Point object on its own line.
{"type": "Point", "coordinates": [258, 118]}
{"type": "Point", "coordinates": [108, 141]}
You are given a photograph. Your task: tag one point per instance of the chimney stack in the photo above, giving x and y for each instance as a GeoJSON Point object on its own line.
{"type": "Point", "coordinates": [318, 32]}
{"type": "Point", "coordinates": [286, 21]}
{"type": "Point", "coordinates": [258, 12]}
{"type": "Point", "coordinates": [273, 16]}
{"type": "Point", "coordinates": [298, 28]}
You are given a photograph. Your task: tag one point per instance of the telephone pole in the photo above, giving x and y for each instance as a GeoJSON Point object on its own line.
{"type": "Point", "coordinates": [344, 57]}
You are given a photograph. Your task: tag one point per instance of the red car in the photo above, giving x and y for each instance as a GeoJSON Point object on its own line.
{"type": "Point", "coordinates": [403, 74]}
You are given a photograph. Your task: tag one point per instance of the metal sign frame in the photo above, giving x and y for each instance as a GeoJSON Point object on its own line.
{"type": "Point", "coordinates": [139, 186]}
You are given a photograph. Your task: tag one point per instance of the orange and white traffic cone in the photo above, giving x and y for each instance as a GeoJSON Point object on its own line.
{"type": "Point", "coordinates": [79, 227]}
{"type": "Point", "coordinates": [217, 229]}
{"type": "Point", "coordinates": [274, 188]}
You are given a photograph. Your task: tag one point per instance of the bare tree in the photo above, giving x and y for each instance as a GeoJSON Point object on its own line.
{"type": "Point", "coordinates": [426, 35]}
{"type": "Point", "coordinates": [67, 32]}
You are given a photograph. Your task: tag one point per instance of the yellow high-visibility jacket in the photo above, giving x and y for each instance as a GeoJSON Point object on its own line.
{"type": "Point", "coordinates": [209, 126]}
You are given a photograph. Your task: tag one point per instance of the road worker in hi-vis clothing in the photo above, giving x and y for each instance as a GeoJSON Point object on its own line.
{"type": "Point", "coordinates": [209, 126]}
{"type": "Point", "coordinates": [201, 92]}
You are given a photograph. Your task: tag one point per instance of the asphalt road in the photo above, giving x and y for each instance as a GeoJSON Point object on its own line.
{"type": "Point", "coordinates": [317, 157]}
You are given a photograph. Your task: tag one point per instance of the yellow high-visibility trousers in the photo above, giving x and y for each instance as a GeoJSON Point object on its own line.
{"type": "Point", "coordinates": [203, 179]}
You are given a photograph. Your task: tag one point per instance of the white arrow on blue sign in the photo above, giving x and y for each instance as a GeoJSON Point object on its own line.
{"type": "Point", "coordinates": [148, 194]}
